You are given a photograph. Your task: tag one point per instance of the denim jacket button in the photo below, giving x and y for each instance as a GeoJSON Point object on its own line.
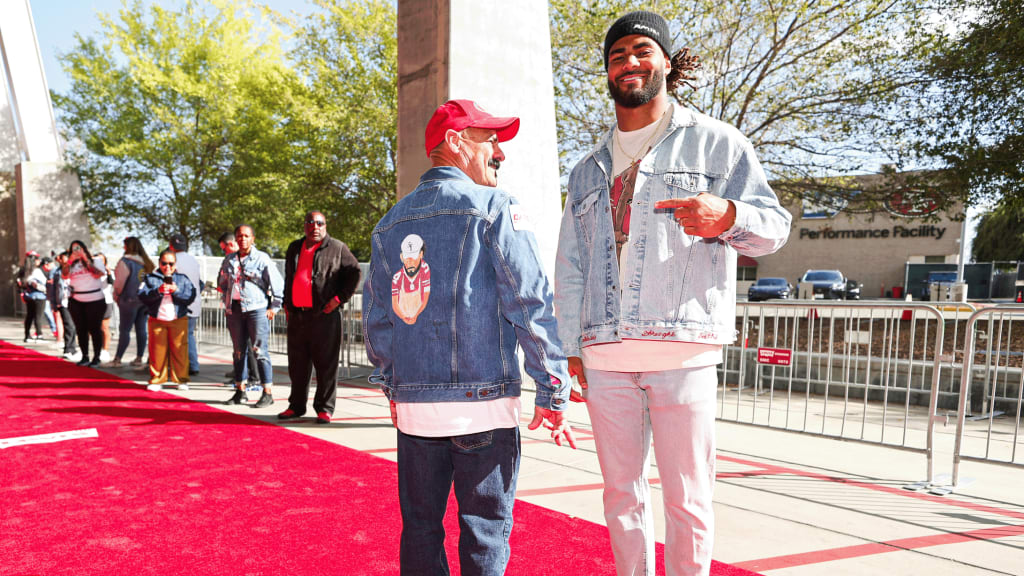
{"type": "Point", "coordinates": [469, 394]}
{"type": "Point", "coordinates": [483, 393]}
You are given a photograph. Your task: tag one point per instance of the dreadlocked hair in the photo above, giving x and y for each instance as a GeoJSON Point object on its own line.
{"type": "Point", "coordinates": [684, 64]}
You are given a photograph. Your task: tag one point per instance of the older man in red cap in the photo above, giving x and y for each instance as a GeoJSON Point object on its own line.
{"type": "Point", "coordinates": [455, 283]}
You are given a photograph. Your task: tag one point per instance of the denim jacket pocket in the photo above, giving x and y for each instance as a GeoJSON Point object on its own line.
{"type": "Point", "coordinates": [689, 182]}
{"type": "Point", "coordinates": [586, 215]}
{"type": "Point", "coordinates": [473, 441]}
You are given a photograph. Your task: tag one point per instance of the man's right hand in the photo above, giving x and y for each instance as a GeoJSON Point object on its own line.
{"type": "Point", "coordinates": [576, 369]}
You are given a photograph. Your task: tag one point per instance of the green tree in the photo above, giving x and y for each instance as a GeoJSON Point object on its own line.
{"type": "Point", "coordinates": [966, 116]}
{"type": "Point", "coordinates": [1000, 235]}
{"type": "Point", "coordinates": [808, 82]}
{"type": "Point", "coordinates": [348, 56]}
{"type": "Point", "coordinates": [179, 121]}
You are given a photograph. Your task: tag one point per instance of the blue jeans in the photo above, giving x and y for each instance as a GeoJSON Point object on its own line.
{"type": "Point", "coordinates": [483, 468]}
{"type": "Point", "coordinates": [132, 314]}
{"type": "Point", "coordinates": [251, 326]}
{"type": "Point", "coordinates": [193, 348]}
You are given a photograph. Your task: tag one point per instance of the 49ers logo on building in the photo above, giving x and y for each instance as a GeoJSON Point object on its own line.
{"type": "Point", "coordinates": [911, 203]}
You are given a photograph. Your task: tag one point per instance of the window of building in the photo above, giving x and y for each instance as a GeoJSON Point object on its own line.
{"type": "Point", "coordinates": [935, 259]}
{"type": "Point", "coordinates": [746, 273]}
{"type": "Point", "coordinates": [746, 268]}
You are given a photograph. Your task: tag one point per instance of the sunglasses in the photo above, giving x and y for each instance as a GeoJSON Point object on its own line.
{"type": "Point", "coordinates": [316, 222]}
{"type": "Point", "coordinates": [163, 263]}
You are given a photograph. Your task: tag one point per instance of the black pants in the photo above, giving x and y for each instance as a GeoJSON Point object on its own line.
{"type": "Point", "coordinates": [88, 317]}
{"type": "Point", "coordinates": [314, 341]}
{"type": "Point", "coordinates": [35, 312]}
{"type": "Point", "coordinates": [69, 330]}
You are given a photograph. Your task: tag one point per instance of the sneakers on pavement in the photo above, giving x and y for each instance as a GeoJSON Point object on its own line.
{"type": "Point", "coordinates": [183, 386]}
{"type": "Point", "coordinates": [323, 418]}
{"type": "Point", "coordinates": [115, 363]}
{"type": "Point", "coordinates": [95, 362]}
{"type": "Point", "coordinates": [154, 387]}
{"type": "Point", "coordinates": [138, 361]}
{"type": "Point", "coordinates": [238, 398]}
{"type": "Point", "coordinates": [288, 414]}
{"type": "Point", "coordinates": [264, 401]}
{"type": "Point", "coordinates": [104, 356]}
{"type": "Point", "coordinates": [83, 362]}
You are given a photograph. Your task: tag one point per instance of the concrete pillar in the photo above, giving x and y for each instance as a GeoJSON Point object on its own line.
{"type": "Point", "coordinates": [40, 202]}
{"type": "Point", "coordinates": [498, 54]}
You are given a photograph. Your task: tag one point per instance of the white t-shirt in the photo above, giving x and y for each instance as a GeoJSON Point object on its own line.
{"type": "Point", "coordinates": [644, 355]}
{"type": "Point", "coordinates": [166, 310]}
{"type": "Point", "coordinates": [434, 419]}
{"type": "Point", "coordinates": [84, 286]}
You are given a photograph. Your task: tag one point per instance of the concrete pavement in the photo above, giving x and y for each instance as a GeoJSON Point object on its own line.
{"type": "Point", "coordinates": [787, 504]}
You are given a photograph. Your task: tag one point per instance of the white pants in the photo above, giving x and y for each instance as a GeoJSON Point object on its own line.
{"type": "Point", "coordinates": [678, 408]}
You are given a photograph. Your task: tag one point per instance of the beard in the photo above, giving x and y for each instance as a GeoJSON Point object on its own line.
{"type": "Point", "coordinates": [640, 96]}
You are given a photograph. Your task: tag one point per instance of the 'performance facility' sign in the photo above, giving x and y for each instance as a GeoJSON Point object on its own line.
{"type": "Point", "coordinates": [898, 231]}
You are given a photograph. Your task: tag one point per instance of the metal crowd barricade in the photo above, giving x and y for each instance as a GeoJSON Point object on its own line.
{"type": "Point", "coordinates": [992, 382]}
{"type": "Point", "coordinates": [868, 372]}
{"type": "Point", "coordinates": [212, 329]}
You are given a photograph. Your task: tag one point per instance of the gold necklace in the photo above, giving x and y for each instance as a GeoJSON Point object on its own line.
{"type": "Point", "coordinates": [634, 158]}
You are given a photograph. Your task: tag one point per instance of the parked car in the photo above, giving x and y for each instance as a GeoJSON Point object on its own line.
{"type": "Point", "coordinates": [853, 289]}
{"type": "Point", "coordinates": [766, 288]}
{"type": "Point", "coordinates": [827, 284]}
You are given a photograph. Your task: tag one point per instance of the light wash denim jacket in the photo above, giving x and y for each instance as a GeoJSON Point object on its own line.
{"type": "Point", "coordinates": [677, 287]}
{"type": "Point", "coordinates": [263, 286]}
{"type": "Point", "coordinates": [487, 292]}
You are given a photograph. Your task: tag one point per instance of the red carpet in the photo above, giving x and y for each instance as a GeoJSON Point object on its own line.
{"type": "Point", "coordinates": [170, 486]}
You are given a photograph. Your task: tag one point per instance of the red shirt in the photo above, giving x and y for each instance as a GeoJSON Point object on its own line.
{"type": "Point", "coordinates": [302, 285]}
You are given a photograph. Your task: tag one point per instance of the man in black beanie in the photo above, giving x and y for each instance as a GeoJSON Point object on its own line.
{"type": "Point", "coordinates": [678, 195]}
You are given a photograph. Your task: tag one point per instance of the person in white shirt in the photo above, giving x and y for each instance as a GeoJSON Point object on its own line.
{"type": "Point", "coordinates": [189, 266]}
{"type": "Point", "coordinates": [86, 276]}
{"type": "Point", "coordinates": [167, 294]}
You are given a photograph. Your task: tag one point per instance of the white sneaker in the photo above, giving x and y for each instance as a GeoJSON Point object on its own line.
{"type": "Point", "coordinates": [104, 356]}
{"type": "Point", "coordinates": [182, 386]}
{"type": "Point", "coordinates": [73, 356]}
{"type": "Point", "coordinates": [154, 387]}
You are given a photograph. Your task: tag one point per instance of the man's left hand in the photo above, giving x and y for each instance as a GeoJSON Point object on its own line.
{"type": "Point", "coordinates": [556, 422]}
{"type": "Point", "coordinates": [331, 306]}
{"type": "Point", "coordinates": [271, 314]}
{"type": "Point", "coordinates": [704, 215]}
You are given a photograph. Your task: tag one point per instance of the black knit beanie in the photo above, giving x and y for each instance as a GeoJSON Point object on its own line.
{"type": "Point", "coordinates": [640, 22]}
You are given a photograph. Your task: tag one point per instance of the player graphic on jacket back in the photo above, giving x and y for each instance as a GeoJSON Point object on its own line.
{"type": "Point", "coordinates": [410, 286]}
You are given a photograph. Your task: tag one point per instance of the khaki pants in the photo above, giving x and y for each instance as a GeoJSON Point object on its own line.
{"type": "Point", "coordinates": [168, 350]}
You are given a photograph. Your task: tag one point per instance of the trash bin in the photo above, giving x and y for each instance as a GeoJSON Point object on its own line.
{"type": "Point", "coordinates": [897, 291]}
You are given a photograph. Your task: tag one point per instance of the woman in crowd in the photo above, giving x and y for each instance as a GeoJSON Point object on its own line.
{"type": "Point", "coordinates": [166, 295]}
{"type": "Point", "coordinates": [33, 292]}
{"type": "Point", "coordinates": [131, 269]}
{"type": "Point", "coordinates": [86, 276]}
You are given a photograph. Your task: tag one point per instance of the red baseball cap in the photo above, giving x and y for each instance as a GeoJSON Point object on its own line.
{"type": "Point", "coordinates": [461, 114]}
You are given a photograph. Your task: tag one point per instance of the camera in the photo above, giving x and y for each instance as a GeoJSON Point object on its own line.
{"type": "Point", "coordinates": [168, 280]}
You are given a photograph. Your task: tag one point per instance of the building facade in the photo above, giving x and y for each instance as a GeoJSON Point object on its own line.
{"type": "Point", "coordinates": [872, 248]}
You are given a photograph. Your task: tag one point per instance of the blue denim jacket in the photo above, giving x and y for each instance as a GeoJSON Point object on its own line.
{"type": "Point", "coordinates": [484, 290]}
{"type": "Point", "coordinates": [263, 286]}
{"type": "Point", "coordinates": [149, 293]}
{"type": "Point", "coordinates": [678, 287]}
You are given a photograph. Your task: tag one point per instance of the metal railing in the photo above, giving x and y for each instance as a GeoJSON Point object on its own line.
{"type": "Point", "coordinates": [869, 372]}
{"type": "Point", "coordinates": [992, 386]}
{"type": "Point", "coordinates": [212, 329]}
